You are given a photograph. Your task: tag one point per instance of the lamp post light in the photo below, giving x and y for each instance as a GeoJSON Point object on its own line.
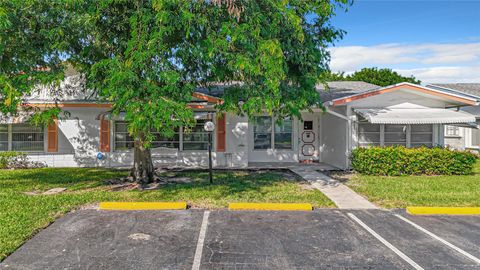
{"type": "Point", "coordinates": [209, 127]}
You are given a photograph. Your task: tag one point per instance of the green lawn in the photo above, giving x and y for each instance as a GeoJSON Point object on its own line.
{"type": "Point", "coordinates": [22, 215]}
{"type": "Point", "coordinates": [403, 191]}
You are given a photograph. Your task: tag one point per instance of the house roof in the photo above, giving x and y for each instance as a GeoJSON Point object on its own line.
{"type": "Point", "coordinates": [459, 97]}
{"type": "Point", "coordinates": [334, 89]}
{"type": "Point", "coordinates": [339, 89]}
{"type": "Point", "coordinates": [467, 88]}
{"type": "Point", "coordinates": [472, 89]}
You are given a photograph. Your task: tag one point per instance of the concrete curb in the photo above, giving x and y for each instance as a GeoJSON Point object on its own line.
{"type": "Point", "coordinates": [443, 210]}
{"type": "Point", "coordinates": [129, 206]}
{"type": "Point", "coordinates": [271, 206]}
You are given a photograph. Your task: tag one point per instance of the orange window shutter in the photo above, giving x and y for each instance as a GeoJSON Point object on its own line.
{"type": "Point", "coordinates": [221, 132]}
{"type": "Point", "coordinates": [52, 136]}
{"type": "Point", "coordinates": [104, 135]}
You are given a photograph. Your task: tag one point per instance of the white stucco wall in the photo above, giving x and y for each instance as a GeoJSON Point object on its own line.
{"type": "Point", "coordinates": [79, 139]}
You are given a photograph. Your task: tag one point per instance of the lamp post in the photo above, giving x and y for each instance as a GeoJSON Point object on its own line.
{"type": "Point", "coordinates": [209, 127]}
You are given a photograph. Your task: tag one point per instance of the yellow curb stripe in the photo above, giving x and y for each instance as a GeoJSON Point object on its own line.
{"type": "Point", "coordinates": [271, 206]}
{"type": "Point", "coordinates": [143, 205]}
{"type": "Point", "coordinates": [443, 210]}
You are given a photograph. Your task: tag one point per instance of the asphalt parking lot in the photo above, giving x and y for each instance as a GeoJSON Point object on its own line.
{"type": "Point", "coordinates": [197, 239]}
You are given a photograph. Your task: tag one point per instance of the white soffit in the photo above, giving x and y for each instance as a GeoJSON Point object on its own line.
{"type": "Point", "coordinates": [415, 116]}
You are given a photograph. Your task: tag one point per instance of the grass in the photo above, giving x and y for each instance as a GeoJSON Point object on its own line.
{"type": "Point", "coordinates": [403, 191]}
{"type": "Point", "coordinates": [22, 215]}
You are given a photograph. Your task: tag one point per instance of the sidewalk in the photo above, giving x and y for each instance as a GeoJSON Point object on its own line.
{"type": "Point", "coordinates": [341, 195]}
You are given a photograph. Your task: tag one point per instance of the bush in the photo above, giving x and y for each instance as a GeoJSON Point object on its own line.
{"type": "Point", "coordinates": [17, 160]}
{"type": "Point", "coordinates": [399, 160]}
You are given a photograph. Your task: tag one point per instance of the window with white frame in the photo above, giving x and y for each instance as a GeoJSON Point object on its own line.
{"type": "Point", "coordinates": [387, 135]}
{"type": "Point", "coordinates": [21, 137]}
{"type": "Point", "coordinates": [195, 138]}
{"type": "Point", "coordinates": [4, 138]}
{"type": "Point", "coordinates": [283, 134]}
{"type": "Point", "coordinates": [451, 131]}
{"type": "Point", "coordinates": [268, 132]}
{"type": "Point", "coordinates": [123, 140]}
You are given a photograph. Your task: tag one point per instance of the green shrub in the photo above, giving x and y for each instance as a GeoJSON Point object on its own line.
{"type": "Point", "coordinates": [6, 158]}
{"type": "Point", "coordinates": [399, 160]}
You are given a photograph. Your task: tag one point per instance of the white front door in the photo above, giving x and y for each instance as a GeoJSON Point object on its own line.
{"type": "Point", "coordinates": [308, 137]}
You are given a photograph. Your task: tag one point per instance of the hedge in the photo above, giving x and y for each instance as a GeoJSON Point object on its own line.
{"type": "Point", "coordinates": [399, 160]}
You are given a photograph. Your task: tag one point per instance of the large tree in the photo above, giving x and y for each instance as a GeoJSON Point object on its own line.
{"type": "Point", "coordinates": [146, 57]}
{"type": "Point", "coordinates": [380, 77]}
{"type": "Point", "coordinates": [32, 44]}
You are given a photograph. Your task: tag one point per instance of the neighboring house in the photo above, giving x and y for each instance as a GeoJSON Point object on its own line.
{"type": "Point", "coordinates": [357, 114]}
{"type": "Point", "coordinates": [462, 136]}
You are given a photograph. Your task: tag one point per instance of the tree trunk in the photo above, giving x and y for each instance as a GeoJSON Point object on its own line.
{"type": "Point", "coordinates": [142, 171]}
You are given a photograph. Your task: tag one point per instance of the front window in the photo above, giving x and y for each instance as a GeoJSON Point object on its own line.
{"type": "Point", "coordinates": [123, 140]}
{"type": "Point", "coordinates": [21, 137]}
{"type": "Point", "coordinates": [421, 135]}
{"type": "Point", "coordinates": [262, 132]}
{"type": "Point", "coordinates": [196, 138]}
{"type": "Point", "coordinates": [388, 135]}
{"type": "Point", "coordinates": [451, 130]}
{"type": "Point", "coordinates": [283, 134]}
{"type": "Point", "coordinates": [264, 137]}
{"type": "Point", "coordinates": [3, 137]}
{"type": "Point", "coordinates": [368, 134]}
{"type": "Point", "coordinates": [193, 139]}
{"type": "Point", "coordinates": [395, 135]}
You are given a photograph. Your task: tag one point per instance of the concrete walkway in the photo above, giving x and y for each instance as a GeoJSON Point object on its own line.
{"type": "Point", "coordinates": [341, 195]}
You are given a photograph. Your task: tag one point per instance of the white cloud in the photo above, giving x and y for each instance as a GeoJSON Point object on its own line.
{"type": "Point", "coordinates": [428, 62]}
{"type": "Point", "coordinates": [460, 74]}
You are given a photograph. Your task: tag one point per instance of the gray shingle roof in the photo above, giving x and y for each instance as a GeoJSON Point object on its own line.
{"type": "Point", "coordinates": [339, 89]}
{"type": "Point", "coordinates": [336, 89]}
{"type": "Point", "coordinates": [468, 88]}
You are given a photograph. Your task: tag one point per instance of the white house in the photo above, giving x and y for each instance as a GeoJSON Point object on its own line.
{"type": "Point", "coordinates": [357, 114]}
{"type": "Point", "coordinates": [463, 136]}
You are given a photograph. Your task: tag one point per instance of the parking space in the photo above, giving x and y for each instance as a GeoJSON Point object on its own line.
{"type": "Point", "coordinates": [197, 239]}
{"type": "Point", "coordinates": [322, 239]}
{"type": "Point", "coordinates": [461, 231]}
{"type": "Point", "coordinates": [424, 250]}
{"type": "Point", "coordinates": [114, 240]}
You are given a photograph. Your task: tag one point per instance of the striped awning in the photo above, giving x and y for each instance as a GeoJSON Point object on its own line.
{"type": "Point", "coordinates": [415, 116]}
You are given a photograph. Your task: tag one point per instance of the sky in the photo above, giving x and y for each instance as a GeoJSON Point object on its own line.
{"type": "Point", "coordinates": [435, 41]}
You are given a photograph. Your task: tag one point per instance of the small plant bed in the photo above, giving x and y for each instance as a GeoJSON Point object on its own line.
{"type": "Point", "coordinates": [403, 191]}
{"type": "Point", "coordinates": [26, 206]}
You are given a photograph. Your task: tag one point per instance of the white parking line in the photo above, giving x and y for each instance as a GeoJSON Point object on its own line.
{"type": "Point", "coordinates": [201, 238]}
{"type": "Point", "coordinates": [445, 242]}
{"type": "Point", "coordinates": [385, 242]}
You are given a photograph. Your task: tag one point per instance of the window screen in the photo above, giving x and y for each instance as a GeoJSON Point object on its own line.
{"type": "Point", "coordinates": [196, 138]}
{"type": "Point", "coordinates": [3, 137]}
{"type": "Point", "coordinates": [368, 134]}
{"type": "Point", "coordinates": [421, 135]}
{"type": "Point", "coordinates": [262, 132]}
{"type": "Point", "coordinates": [123, 140]}
{"type": "Point", "coordinates": [26, 137]}
{"type": "Point", "coordinates": [283, 134]}
{"type": "Point", "coordinates": [395, 135]}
